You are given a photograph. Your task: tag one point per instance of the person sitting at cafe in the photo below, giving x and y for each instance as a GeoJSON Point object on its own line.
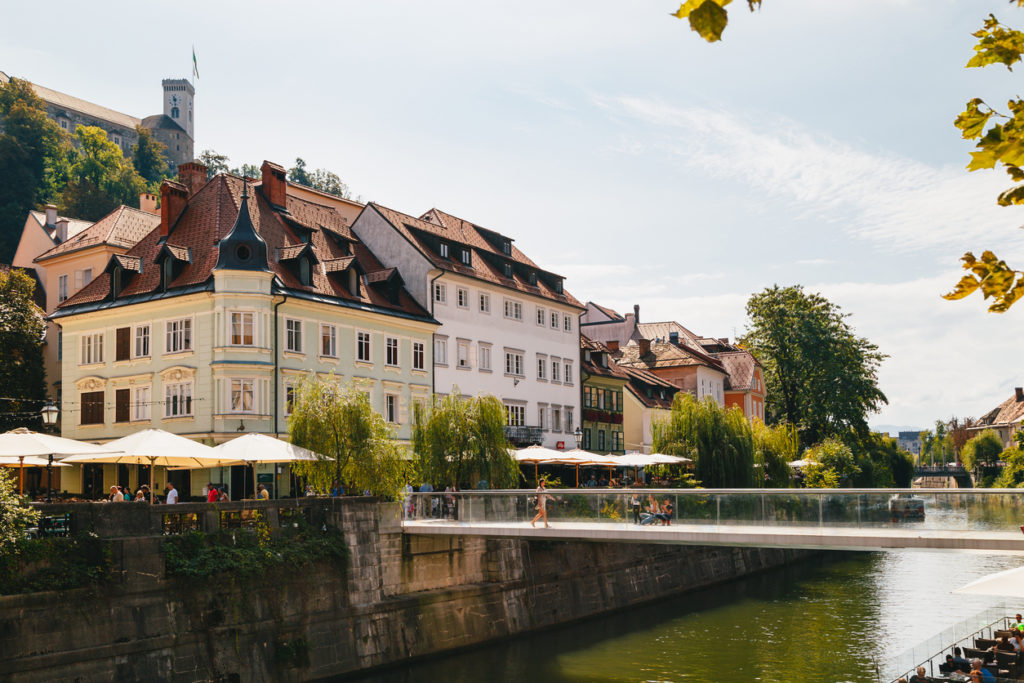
{"type": "Point", "coordinates": [115, 495]}
{"type": "Point", "coordinates": [960, 663]}
{"type": "Point", "coordinates": [980, 674]}
{"type": "Point", "coordinates": [919, 676]}
{"type": "Point", "coordinates": [262, 493]}
{"type": "Point", "coordinates": [1003, 645]}
{"type": "Point", "coordinates": [214, 495]}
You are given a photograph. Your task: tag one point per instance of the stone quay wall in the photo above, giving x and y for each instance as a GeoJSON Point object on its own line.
{"type": "Point", "coordinates": [403, 597]}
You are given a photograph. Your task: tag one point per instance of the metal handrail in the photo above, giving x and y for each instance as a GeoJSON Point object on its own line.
{"type": "Point", "coordinates": [750, 491]}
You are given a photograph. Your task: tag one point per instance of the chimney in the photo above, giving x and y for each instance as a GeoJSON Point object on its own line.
{"type": "Point", "coordinates": [612, 345]}
{"type": "Point", "coordinates": [1020, 394]}
{"type": "Point", "coordinates": [173, 199]}
{"type": "Point", "coordinates": [61, 232]}
{"type": "Point", "coordinates": [147, 203]}
{"type": "Point", "coordinates": [636, 313]}
{"type": "Point", "coordinates": [192, 175]}
{"type": "Point", "coordinates": [274, 184]}
{"type": "Point", "coordinates": [51, 215]}
{"type": "Point", "coordinates": [673, 337]}
{"type": "Point", "coordinates": [645, 346]}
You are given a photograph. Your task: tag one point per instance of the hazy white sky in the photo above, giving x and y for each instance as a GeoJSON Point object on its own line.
{"type": "Point", "coordinates": [814, 145]}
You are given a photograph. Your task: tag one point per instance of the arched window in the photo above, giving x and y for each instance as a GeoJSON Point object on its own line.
{"type": "Point", "coordinates": [174, 112]}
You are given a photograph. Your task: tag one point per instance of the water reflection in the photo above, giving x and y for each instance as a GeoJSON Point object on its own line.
{"type": "Point", "coordinates": [827, 619]}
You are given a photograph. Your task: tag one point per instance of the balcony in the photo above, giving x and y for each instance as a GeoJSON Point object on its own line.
{"type": "Point", "coordinates": [522, 435]}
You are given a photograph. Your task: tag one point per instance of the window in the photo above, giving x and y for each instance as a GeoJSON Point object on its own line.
{"type": "Point", "coordinates": [178, 399]}
{"type": "Point", "coordinates": [515, 416]}
{"type": "Point", "coordinates": [588, 397]}
{"type": "Point", "coordinates": [567, 323]}
{"type": "Point", "coordinates": [242, 396]}
{"type": "Point", "coordinates": [513, 309]}
{"type": "Point", "coordinates": [567, 377]}
{"type": "Point", "coordinates": [329, 341]}
{"type": "Point", "coordinates": [506, 247]}
{"type": "Point", "coordinates": [440, 293]}
{"type": "Point", "coordinates": [92, 407]}
{"type": "Point", "coordinates": [568, 419]}
{"type": "Point", "coordinates": [542, 365]}
{"type": "Point", "coordinates": [391, 351]}
{"type": "Point", "coordinates": [443, 250]}
{"type": "Point", "coordinates": [556, 419]}
{"type": "Point", "coordinates": [122, 405]}
{"type": "Point", "coordinates": [242, 326]}
{"type": "Point", "coordinates": [293, 335]}
{"type": "Point", "coordinates": [140, 403]}
{"type": "Point", "coordinates": [62, 288]}
{"type": "Point", "coordinates": [86, 277]}
{"type": "Point", "coordinates": [289, 398]}
{"type": "Point", "coordinates": [463, 351]}
{"type": "Point", "coordinates": [540, 315]}
{"type": "Point", "coordinates": [179, 336]}
{"type": "Point", "coordinates": [123, 344]}
{"type": "Point", "coordinates": [418, 362]}
{"type": "Point", "coordinates": [600, 399]}
{"type": "Point", "coordinates": [555, 367]}
{"type": "Point", "coordinates": [175, 112]}
{"type": "Point", "coordinates": [513, 363]}
{"type": "Point", "coordinates": [485, 303]}
{"type": "Point", "coordinates": [616, 441]}
{"type": "Point", "coordinates": [586, 439]}
{"type": "Point", "coordinates": [554, 320]}
{"type": "Point", "coordinates": [391, 408]}
{"type": "Point", "coordinates": [92, 348]}
{"type": "Point", "coordinates": [60, 344]}
{"type": "Point", "coordinates": [462, 298]}
{"type": "Point", "coordinates": [441, 351]}
{"type": "Point", "coordinates": [141, 341]}
{"type": "Point", "coordinates": [600, 440]}
{"type": "Point", "coordinates": [63, 124]}
{"type": "Point", "coordinates": [363, 346]}
{"type": "Point", "coordinates": [305, 276]}
{"type": "Point", "coordinates": [465, 256]}
{"type": "Point", "coordinates": [541, 412]}
{"type": "Point", "coordinates": [508, 270]}
{"type": "Point", "coordinates": [484, 355]}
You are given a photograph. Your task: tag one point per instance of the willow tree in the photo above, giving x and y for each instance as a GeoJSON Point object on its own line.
{"type": "Point", "coordinates": [356, 445]}
{"type": "Point", "coordinates": [458, 440]}
{"type": "Point", "coordinates": [774, 448]}
{"type": "Point", "coordinates": [718, 440]}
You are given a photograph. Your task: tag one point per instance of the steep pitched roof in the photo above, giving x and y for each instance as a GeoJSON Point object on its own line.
{"type": "Point", "coordinates": [649, 388]}
{"type": "Point", "coordinates": [612, 315]}
{"type": "Point", "coordinates": [1009, 411]}
{"type": "Point", "coordinates": [207, 219]}
{"type": "Point", "coordinates": [122, 227]}
{"type": "Point", "coordinates": [485, 255]}
{"type": "Point", "coordinates": [158, 121]}
{"type": "Point", "coordinates": [75, 225]}
{"type": "Point", "coordinates": [595, 350]}
{"type": "Point", "coordinates": [663, 331]}
{"type": "Point", "coordinates": [740, 365]}
{"type": "Point", "coordinates": [66, 101]}
{"type": "Point", "coordinates": [665, 355]}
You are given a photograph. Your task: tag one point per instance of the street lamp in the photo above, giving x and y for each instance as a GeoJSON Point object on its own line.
{"type": "Point", "coordinates": [49, 413]}
{"type": "Point", "coordinates": [578, 434]}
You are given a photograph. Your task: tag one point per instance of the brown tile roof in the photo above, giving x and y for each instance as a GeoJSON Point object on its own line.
{"type": "Point", "coordinates": [67, 101]}
{"type": "Point", "coordinates": [663, 329]}
{"type": "Point", "coordinates": [664, 355]}
{"type": "Point", "coordinates": [75, 225]}
{"type": "Point", "coordinates": [122, 227]}
{"type": "Point", "coordinates": [591, 367]}
{"type": "Point", "coordinates": [336, 265]}
{"type": "Point", "coordinates": [1009, 411]}
{"type": "Point", "coordinates": [209, 216]}
{"type": "Point", "coordinates": [486, 257]}
{"type": "Point", "coordinates": [380, 275]}
{"type": "Point", "coordinates": [740, 365]}
{"type": "Point", "coordinates": [178, 252]}
{"type": "Point", "coordinates": [294, 251]}
{"type": "Point", "coordinates": [132, 263]}
{"type": "Point", "coordinates": [640, 381]}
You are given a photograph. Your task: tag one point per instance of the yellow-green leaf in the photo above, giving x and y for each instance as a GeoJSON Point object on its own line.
{"type": "Point", "coordinates": [709, 20]}
{"type": "Point", "coordinates": [690, 5]}
{"type": "Point", "coordinates": [972, 120]}
{"type": "Point", "coordinates": [997, 283]}
{"type": "Point", "coordinates": [1015, 195]}
{"type": "Point", "coordinates": [997, 44]}
{"type": "Point", "coordinates": [984, 159]}
{"type": "Point", "coordinates": [1002, 305]}
{"type": "Point", "coordinates": [967, 285]}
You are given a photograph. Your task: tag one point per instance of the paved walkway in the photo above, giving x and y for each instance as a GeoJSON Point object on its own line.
{"type": "Point", "coordinates": [815, 537]}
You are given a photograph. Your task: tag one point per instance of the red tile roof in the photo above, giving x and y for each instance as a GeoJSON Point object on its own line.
{"type": "Point", "coordinates": [486, 256]}
{"type": "Point", "coordinates": [640, 381]}
{"type": "Point", "coordinates": [122, 227]}
{"type": "Point", "coordinates": [592, 367]}
{"type": "Point", "coordinates": [209, 216]}
{"type": "Point", "coordinates": [665, 355]}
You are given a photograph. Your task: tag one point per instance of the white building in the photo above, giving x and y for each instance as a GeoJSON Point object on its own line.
{"type": "Point", "coordinates": [508, 327]}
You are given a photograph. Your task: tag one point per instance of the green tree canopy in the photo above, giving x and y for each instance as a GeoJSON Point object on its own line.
{"type": "Point", "coordinates": [819, 376]}
{"type": "Point", "coordinates": [100, 177]}
{"type": "Point", "coordinates": [833, 464]}
{"type": "Point", "coordinates": [774, 448]}
{"type": "Point", "coordinates": [148, 157]}
{"type": "Point", "coordinates": [339, 423]}
{"type": "Point", "coordinates": [458, 441]}
{"type": "Point", "coordinates": [15, 515]}
{"type": "Point", "coordinates": [719, 441]}
{"type": "Point", "coordinates": [22, 374]}
{"type": "Point", "coordinates": [982, 449]}
{"type": "Point", "coordinates": [1012, 476]}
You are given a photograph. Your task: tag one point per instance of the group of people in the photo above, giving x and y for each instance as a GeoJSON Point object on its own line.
{"type": "Point", "coordinates": [654, 511]}
{"type": "Point", "coordinates": [123, 494]}
{"type": "Point", "coordinates": [974, 670]}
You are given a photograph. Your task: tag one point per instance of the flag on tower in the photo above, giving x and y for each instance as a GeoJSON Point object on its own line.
{"type": "Point", "coordinates": [195, 64]}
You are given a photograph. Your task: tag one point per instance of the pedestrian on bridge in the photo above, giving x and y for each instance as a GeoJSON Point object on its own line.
{"type": "Point", "coordinates": [542, 505]}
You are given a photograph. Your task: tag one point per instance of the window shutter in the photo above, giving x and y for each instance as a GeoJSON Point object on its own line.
{"type": "Point", "coordinates": [122, 402]}
{"type": "Point", "coordinates": [92, 407]}
{"type": "Point", "coordinates": [123, 343]}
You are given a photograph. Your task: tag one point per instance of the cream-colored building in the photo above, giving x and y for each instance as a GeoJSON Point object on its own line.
{"type": "Point", "coordinates": [207, 324]}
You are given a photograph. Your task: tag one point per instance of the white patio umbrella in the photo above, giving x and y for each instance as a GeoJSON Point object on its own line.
{"type": "Point", "coordinates": [798, 464]}
{"type": "Point", "coordinates": [661, 459]}
{"type": "Point", "coordinates": [156, 447]}
{"type": "Point", "coordinates": [1008, 584]}
{"type": "Point", "coordinates": [535, 455]}
{"type": "Point", "coordinates": [578, 457]}
{"type": "Point", "coordinates": [251, 449]}
{"type": "Point", "coordinates": [22, 443]}
{"type": "Point", "coordinates": [29, 461]}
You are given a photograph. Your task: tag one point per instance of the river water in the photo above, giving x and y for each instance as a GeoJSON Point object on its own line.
{"type": "Point", "coordinates": [826, 619]}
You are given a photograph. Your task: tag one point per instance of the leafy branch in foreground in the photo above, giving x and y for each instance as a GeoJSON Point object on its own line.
{"type": "Point", "coordinates": [708, 17]}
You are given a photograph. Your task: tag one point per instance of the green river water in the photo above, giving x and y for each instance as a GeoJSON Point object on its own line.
{"type": "Point", "coordinates": [827, 619]}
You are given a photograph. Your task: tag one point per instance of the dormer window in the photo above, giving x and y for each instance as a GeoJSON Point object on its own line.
{"type": "Point", "coordinates": [506, 247]}
{"type": "Point", "coordinates": [305, 277]}
{"type": "Point", "coordinates": [353, 282]}
{"type": "Point", "coordinates": [508, 269]}
{"type": "Point", "coordinates": [166, 273]}
{"type": "Point", "coordinates": [465, 256]}
{"type": "Point", "coordinates": [586, 355]}
{"type": "Point", "coordinates": [558, 286]}
{"type": "Point", "coordinates": [443, 250]}
{"type": "Point", "coordinates": [533, 278]}
{"type": "Point", "coordinates": [115, 281]}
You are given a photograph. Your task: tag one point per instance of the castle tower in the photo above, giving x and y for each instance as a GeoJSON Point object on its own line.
{"type": "Point", "coordinates": [179, 96]}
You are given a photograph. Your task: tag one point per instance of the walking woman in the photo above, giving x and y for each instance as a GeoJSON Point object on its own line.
{"type": "Point", "coordinates": [542, 505]}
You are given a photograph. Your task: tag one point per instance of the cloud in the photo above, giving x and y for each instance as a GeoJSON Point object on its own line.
{"type": "Point", "coordinates": [815, 262]}
{"type": "Point", "coordinates": [881, 197]}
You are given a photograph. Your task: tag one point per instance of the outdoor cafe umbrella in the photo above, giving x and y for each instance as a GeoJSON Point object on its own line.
{"type": "Point", "coordinates": [251, 449]}
{"type": "Point", "coordinates": [23, 461]}
{"type": "Point", "coordinates": [1008, 584]}
{"type": "Point", "coordinates": [578, 457]}
{"type": "Point", "coordinates": [535, 455]}
{"type": "Point", "coordinates": [156, 447]}
{"type": "Point", "coordinates": [22, 443]}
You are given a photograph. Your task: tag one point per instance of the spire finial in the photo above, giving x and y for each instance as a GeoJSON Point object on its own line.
{"type": "Point", "coordinates": [245, 188]}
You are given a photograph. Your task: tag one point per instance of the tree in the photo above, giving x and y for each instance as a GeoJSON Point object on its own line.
{"type": "Point", "coordinates": [328, 182]}
{"type": "Point", "coordinates": [298, 173]}
{"type": "Point", "coordinates": [774, 448]}
{"type": "Point", "coordinates": [832, 465]}
{"type": "Point", "coordinates": [340, 424]}
{"type": "Point", "coordinates": [15, 515]}
{"type": "Point", "coordinates": [214, 163]}
{"type": "Point", "coordinates": [1012, 476]}
{"type": "Point", "coordinates": [458, 441]}
{"type": "Point", "coordinates": [959, 432]}
{"type": "Point", "coordinates": [882, 463]}
{"type": "Point", "coordinates": [148, 156]}
{"type": "Point", "coordinates": [33, 152]}
{"type": "Point", "coordinates": [100, 178]}
{"type": "Point", "coordinates": [819, 376]}
{"type": "Point", "coordinates": [22, 373]}
{"type": "Point", "coordinates": [719, 441]}
{"type": "Point", "coordinates": [981, 450]}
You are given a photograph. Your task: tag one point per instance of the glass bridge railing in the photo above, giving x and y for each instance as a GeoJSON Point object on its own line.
{"type": "Point", "coordinates": [920, 510]}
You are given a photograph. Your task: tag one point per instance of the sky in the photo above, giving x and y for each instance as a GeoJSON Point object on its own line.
{"type": "Point", "coordinates": [814, 145]}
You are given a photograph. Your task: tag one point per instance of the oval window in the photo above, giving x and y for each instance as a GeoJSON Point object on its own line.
{"type": "Point", "coordinates": [243, 253]}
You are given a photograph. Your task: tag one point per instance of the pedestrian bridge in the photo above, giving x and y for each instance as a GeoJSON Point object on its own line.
{"type": "Point", "coordinates": [986, 520]}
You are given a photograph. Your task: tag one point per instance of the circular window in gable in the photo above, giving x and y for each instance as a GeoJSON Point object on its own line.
{"type": "Point", "coordinates": [243, 253]}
